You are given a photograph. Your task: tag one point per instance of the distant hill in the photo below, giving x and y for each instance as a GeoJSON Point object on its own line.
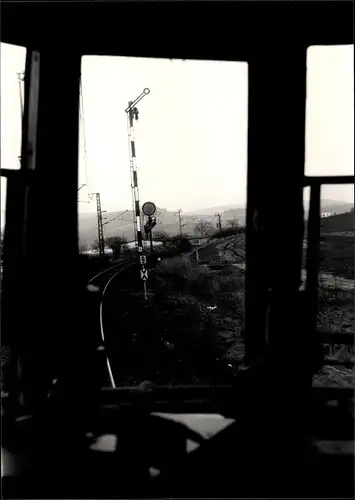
{"type": "Point", "coordinates": [218, 210]}
{"type": "Point", "coordinates": [239, 212]}
{"type": "Point", "coordinates": [123, 226]}
{"type": "Point", "coordinates": [334, 207]}
{"type": "Point", "coordinates": [167, 222]}
{"type": "Point", "coordinates": [341, 223]}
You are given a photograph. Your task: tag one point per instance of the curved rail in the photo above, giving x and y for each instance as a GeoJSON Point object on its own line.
{"type": "Point", "coordinates": [116, 269]}
{"type": "Point", "coordinates": [105, 271]}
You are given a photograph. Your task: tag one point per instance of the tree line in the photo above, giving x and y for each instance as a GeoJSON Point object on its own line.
{"type": "Point", "coordinates": [116, 243]}
{"type": "Point", "coordinates": [203, 228]}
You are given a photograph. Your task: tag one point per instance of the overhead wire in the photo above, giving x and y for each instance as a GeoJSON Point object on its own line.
{"type": "Point", "coordinates": [116, 217]}
{"type": "Point", "coordinates": [81, 112]}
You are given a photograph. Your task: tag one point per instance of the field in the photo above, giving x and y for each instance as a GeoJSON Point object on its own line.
{"type": "Point", "coordinates": [179, 335]}
{"type": "Point", "coordinates": [190, 330]}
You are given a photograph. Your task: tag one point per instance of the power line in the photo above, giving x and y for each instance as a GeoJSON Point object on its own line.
{"type": "Point", "coordinates": [114, 218]}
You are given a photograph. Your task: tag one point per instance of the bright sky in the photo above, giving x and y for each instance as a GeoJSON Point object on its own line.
{"type": "Point", "coordinates": [191, 137]}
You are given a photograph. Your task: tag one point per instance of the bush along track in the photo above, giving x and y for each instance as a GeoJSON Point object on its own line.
{"type": "Point", "coordinates": [190, 330]}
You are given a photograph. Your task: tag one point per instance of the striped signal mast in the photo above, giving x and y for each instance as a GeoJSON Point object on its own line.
{"type": "Point", "coordinates": [132, 115]}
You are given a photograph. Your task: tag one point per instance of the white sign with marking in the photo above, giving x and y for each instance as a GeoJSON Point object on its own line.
{"type": "Point", "coordinates": [144, 274]}
{"type": "Point", "coordinates": [140, 249]}
{"type": "Point", "coordinates": [143, 259]}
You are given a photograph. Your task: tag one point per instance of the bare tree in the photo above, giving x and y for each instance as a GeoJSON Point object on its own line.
{"type": "Point", "coordinates": [162, 236]}
{"type": "Point", "coordinates": [83, 248]}
{"type": "Point", "coordinates": [116, 243]}
{"type": "Point", "coordinates": [233, 223]}
{"type": "Point", "coordinates": [204, 228]}
{"type": "Point", "coordinates": [95, 245]}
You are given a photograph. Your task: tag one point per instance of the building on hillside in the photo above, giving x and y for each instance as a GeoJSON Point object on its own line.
{"type": "Point", "coordinates": [146, 244]}
{"type": "Point", "coordinates": [199, 241]}
{"type": "Point", "coordinates": [96, 253]}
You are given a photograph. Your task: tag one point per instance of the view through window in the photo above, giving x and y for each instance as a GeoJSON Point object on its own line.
{"type": "Point", "coordinates": [330, 151]}
{"type": "Point", "coordinates": [190, 147]}
{"type": "Point", "coordinates": [178, 317]}
{"type": "Point", "coordinates": [12, 64]}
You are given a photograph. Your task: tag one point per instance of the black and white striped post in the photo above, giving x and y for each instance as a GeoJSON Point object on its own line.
{"type": "Point", "coordinates": [148, 209]}
{"type": "Point", "coordinates": [132, 114]}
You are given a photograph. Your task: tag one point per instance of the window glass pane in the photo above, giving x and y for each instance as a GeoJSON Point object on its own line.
{"type": "Point", "coordinates": [335, 284]}
{"type": "Point", "coordinates": [330, 112]}
{"type": "Point", "coordinates": [13, 59]}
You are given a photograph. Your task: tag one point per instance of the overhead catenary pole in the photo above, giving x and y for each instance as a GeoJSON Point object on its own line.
{"type": "Point", "coordinates": [132, 114]}
{"type": "Point", "coordinates": [180, 219]}
{"type": "Point", "coordinates": [100, 226]}
{"type": "Point", "coordinates": [100, 229]}
{"type": "Point", "coordinates": [180, 225]}
{"type": "Point", "coordinates": [219, 221]}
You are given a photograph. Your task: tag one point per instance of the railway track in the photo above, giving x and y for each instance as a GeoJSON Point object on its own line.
{"type": "Point", "coordinates": [100, 284]}
{"type": "Point", "coordinates": [101, 279]}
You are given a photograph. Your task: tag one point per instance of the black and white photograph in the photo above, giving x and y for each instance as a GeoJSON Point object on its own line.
{"type": "Point", "coordinates": [177, 249]}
